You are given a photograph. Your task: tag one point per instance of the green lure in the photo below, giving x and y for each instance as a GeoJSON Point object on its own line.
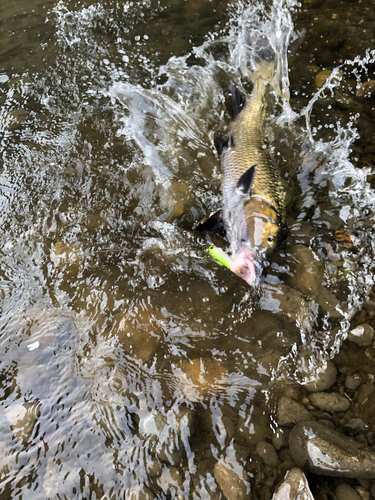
{"type": "Point", "coordinates": [220, 256]}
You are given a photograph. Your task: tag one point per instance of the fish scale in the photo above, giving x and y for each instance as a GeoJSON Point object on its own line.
{"type": "Point", "coordinates": [248, 147]}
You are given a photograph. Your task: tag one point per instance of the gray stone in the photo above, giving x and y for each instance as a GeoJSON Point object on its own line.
{"type": "Point", "coordinates": [280, 438]}
{"type": "Point", "coordinates": [232, 481]}
{"type": "Point", "coordinates": [290, 412]}
{"type": "Point", "coordinates": [346, 492]}
{"type": "Point", "coordinates": [325, 451]}
{"type": "Point", "coordinates": [164, 432]}
{"type": "Point", "coordinates": [362, 335]}
{"type": "Point", "coordinates": [352, 382]}
{"type": "Point", "coordinates": [268, 454]}
{"type": "Point", "coordinates": [324, 379]}
{"type": "Point", "coordinates": [329, 401]}
{"type": "Point", "coordinates": [355, 426]}
{"type": "Point", "coordinates": [294, 487]}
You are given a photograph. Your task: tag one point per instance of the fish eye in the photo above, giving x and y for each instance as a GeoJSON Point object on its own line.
{"type": "Point", "coordinates": [270, 239]}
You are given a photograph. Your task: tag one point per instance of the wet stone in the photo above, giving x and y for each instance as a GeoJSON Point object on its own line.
{"type": "Point", "coordinates": [346, 492]}
{"type": "Point", "coordinates": [268, 454]}
{"type": "Point", "coordinates": [352, 382]}
{"type": "Point", "coordinates": [232, 481]}
{"type": "Point", "coordinates": [324, 451]}
{"type": "Point", "coordinates": [254, 427]}
{"type": "Point", "coordinates": [324, 379]}
{"type": "Point", "coordinates": [139, 493]}
{"type": "Point", "coordinates": [22, 418]}
{"type": "Point", "coordinates": [67, 256]}
{"type": "Point", "coordinates": [291, 412]}
{"type": "Point", "coordinates": [330, 402]}
{"type": "Point", "coordinates": [294, 487]}
{"type": "Point", "coordinates": [363, 492]}
{"type": "Point", "coordinates": [355, 426]}
{"type": "Point", "coordinates": [280, 438]}
{"type": "Point", "coordinates": [362, 335]}
{"type": "Point", "coordinates": [322, 77]}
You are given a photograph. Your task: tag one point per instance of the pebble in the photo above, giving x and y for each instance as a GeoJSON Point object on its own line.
{"type": "Point", "coordinates": [232, 481]}
{"type": "Point", "coordinates": [268, 453]}
{"type": "Point", "coordinates": [324, 379]}
{"type": "Point", "coordinates": [322, 76]}
{"type": "Point", "coordinates": [68, 256]}
{"type": "Point", "coordinates": [355, 426]}
{"type": "Point", "coordinates": [139, 493]}
{"type": "Point", "coordinates": [22, 419]}
{"type": "Point", "coordinates": [362, 492]}
{"type": "Point", "coordinates": [366, 89]}
{"type": "Point", "coordinates": [352, 382]}
{"type": "Point", "coordinates": [290, 412]}
{"type": "Point", "coordinates": [280, 438]}
{"type": "Point", "coordinates": [140, 331]}
{"type": "Point", "coordinates": [164, 432]}
{"type": "Point", "coordinates": [362, 335]}
{"type": "Point", "coordinates": [294, 487]}
{"type": "Point", "coordinates": [331, 402]}
{"type": "Point", "coordinates": [254, 428]}
{"type": "Point", "coordinates": [346, 492]}
{"type": "Point", "coordinates": [326, 452]}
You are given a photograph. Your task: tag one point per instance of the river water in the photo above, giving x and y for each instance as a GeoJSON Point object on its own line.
{"type": "Point", "coordinates": [131, 362]}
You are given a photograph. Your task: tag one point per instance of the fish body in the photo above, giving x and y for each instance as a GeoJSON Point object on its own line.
{"type": "Point", "coordinates": [253, 194]}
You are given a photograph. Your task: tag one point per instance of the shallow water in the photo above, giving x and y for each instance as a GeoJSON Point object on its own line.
{"type": "Point", "coordinates": [130, 361]}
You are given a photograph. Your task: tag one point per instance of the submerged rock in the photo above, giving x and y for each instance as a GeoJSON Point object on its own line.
{"type": "Point", "coordinates": [232, 481]}
{"type": "Point", "coordinates": [291, 412]}
{"type": "Point", "coordinates": [294, 487]}
{"type": "Point", "coordinates": [326, 452]}
{"type": "Point", "coordinates": [268, 453]}
{"type": "Point", "coordinates": [346, 492]}
{"type": "Point", "coordinates": [323, 379]}
{"type": "Point", "coordinates": [331, 402]}
{"type": "Point", "coordinates": [362, 335]}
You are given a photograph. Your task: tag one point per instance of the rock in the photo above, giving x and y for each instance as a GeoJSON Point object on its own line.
{"type": "Point", "coordinates": [268, 453]}
{"type": "Point", "coordinates": [22, 418]}
{"type": "Point", "coordinates": [352, 382]}
{"type": "Point", "coordinates": [139, 493]}
{"type": "Point", "coordinates": [68, 256]}
{"type": "Point", "coordinates": [232, 481]}
{"type": "Point", "coordinates": [254, 427]}
{"type": "Point", "coordinates": [140, 331]}
{"type": "Point", "coordinates": [164, 432]}
{"type": "Point", "coordinates": [355, 426]}
{"type": "Point", "coordinates": [362, 335]}
{"type": "Point", "coordinates": [324, 379]}
{"type": "Point", "coordinates": [346, 492]}
{"type": "Point", "coordinates": [290, 412]}
{"type": "Point", "coordinates": [366, 89]}
{"type": "Point", "coordinates": [326, 452]}
{"type": "Point", "coordinates": [363, 492]}
{"type": "Point", "coordinates": [322, 77]}
{"type": "Point", "coordinates": [306, 268]}
{"type": "Point", "coordinates": [171, 481]}
{"type": "Point", "coordinates": [294, 487]}
{"type": "Point", "coordinates": [280, 438]}
{"type": "Point", "coordinates": [283, 299]}
{"type": "Point", "coordinates": [329, 401]}
{"type": "Point", "coordinates": [202, 373]}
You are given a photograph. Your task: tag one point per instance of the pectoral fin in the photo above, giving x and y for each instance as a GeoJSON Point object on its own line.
{"type": "Point", "coordinates": [246, 180]}
{"type": "Point", "coordinates": [210, 223]}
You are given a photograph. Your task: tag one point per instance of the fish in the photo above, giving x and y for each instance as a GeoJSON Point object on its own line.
{"type": "Point", "coordinates": [253, 209]}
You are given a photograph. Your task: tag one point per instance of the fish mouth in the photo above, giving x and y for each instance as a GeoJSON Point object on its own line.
{"type": "Point", "coordinates": [244, 263]}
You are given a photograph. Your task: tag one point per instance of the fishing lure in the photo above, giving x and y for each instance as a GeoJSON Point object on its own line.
{"type": "Point", "coordinates": [220, 256]}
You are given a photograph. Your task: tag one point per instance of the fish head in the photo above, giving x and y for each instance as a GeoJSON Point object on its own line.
{"type": "Point", "coordinates": [256, 232]}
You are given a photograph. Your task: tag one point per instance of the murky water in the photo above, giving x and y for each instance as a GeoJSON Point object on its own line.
{"type": "Point", "coordinates": [130, 361]}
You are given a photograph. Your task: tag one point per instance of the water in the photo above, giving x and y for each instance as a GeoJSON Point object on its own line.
{"type": "Point", "coordinates": [130, 361]}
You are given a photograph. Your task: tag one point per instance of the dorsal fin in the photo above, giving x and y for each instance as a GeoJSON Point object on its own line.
{"type": "Point", "coordinates": [238, 100]}
{"type": "Point", "coordinates": [246, 180]}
